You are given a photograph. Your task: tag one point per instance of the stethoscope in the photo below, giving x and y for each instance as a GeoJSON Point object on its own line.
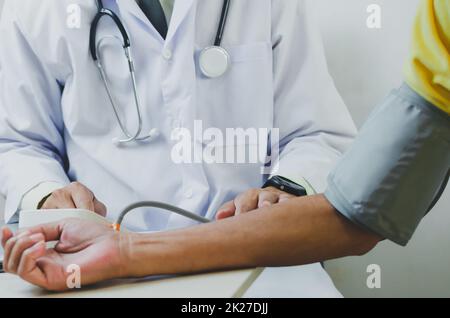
{"type": "Point", "coordinates": [214, 62]}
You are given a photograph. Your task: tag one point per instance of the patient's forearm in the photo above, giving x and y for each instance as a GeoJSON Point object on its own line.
{"type": "Point", "coordinates": [300, 231]}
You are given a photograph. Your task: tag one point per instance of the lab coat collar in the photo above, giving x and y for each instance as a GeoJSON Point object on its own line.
{"type": "Point", "coordinates": [180, 11]}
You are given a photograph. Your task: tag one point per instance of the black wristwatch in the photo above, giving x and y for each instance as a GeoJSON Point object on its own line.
{"type": "Point", "coordinates": [286, 185]}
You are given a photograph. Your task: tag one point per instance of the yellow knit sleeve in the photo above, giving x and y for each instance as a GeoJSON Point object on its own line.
{"type": "Point", "coordinates": [427, 69]}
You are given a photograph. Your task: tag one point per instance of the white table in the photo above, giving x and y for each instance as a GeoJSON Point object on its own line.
{"type": "Point", "coordinates": [306, 281]}
{"type": "Point", "coordinates": [217, 285]}
{"type": "Point", "coordinates": [300, 281]}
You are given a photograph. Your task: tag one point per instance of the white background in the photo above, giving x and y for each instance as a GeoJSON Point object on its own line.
{"type": "Point", "coordinates": [366, 64]}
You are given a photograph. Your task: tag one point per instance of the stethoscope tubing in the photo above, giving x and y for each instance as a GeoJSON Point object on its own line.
{"type": "Point", "coordinates": [102, 11]}
{"type": "Point", "coordinates": [94, 26]}
{"type": "Point", "coordinates": [222, 23]}
{"type": "Point", "coordinates": [126, 44]}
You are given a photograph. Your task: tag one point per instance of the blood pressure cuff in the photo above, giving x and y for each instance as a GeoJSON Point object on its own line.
{"type": "Point", "coordinates": [396, 168]}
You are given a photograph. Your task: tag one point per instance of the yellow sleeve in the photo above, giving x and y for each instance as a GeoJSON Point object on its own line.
{"type": "Point", "coordinates": [427, 70]}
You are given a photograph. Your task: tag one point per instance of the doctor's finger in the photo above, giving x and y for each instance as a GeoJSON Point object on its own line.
{"type": "Point", "coordinates": [267, 198]}
{"type": "Point", "coordinates": [83, 198]}
{"type": "Point", "coordinates": [247, 201]}
{"type": "Point", "coordinates": [19, 247]}
{"type": "Point", "coordinates": [285, 197]}
{"type": "Point", "coordinates": [52, 204]}
{"type": "Point", "coordinates": [60, 199]}
{"type": "Point", "coordinates": [99, 208]}
{"type": "Point", "coordinates": [225, 211]}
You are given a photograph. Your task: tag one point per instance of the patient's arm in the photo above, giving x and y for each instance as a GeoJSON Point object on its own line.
{"type": "Point", "coordinates": [299, 231]}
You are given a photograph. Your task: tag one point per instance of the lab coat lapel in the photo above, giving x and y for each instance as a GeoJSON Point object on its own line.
{"type": "Point", "coordinates": [180, 11]}
{"type": "Point", "coordinates": [131, 7]}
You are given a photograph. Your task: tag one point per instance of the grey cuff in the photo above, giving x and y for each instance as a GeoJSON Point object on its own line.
{"type": "Point", "coordinates": [392, 173]}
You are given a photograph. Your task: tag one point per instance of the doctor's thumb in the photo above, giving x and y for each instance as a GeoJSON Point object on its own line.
{"type": "Point", "coordinates": [100, 208]}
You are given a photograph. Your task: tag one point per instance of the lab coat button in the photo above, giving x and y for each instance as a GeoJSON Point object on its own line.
{"type": "Point", "coordinates": [189, 193]}
{"type": "Point", "coordinates": [167, 54]}
{"type": "Point", "coordinates": [176, 124]}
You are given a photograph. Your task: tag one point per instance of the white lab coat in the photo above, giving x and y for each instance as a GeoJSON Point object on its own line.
{"type": "Point", "coordinates": [56, 122]}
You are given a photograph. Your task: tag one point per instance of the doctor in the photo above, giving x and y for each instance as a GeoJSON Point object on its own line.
{"type": "Point", "coordinates": [57, 124]}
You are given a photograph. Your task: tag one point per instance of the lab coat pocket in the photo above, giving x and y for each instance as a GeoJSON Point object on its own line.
{"type": "Point", "coordinates": [239, 164]}
{"type": "Point", "coordinates": [243, 97]}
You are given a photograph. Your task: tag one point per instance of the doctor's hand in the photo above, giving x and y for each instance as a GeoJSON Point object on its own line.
{"type": "Point", "coordinates": [74, 196]}
{"type": "Point", "coordinates": [252, 200]}
{"type": "Point", "coordinates": [94, 247]}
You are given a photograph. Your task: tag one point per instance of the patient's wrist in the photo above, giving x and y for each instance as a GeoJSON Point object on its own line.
{"type": "Point", "coordinates": [142, 255]}
{"type": "Point", "coordinates": [125, 266]}
{"type": "Point", "coordinates": [165, 253]}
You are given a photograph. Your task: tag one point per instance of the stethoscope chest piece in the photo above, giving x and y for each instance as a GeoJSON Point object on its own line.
{"type": "Point", "coordinates": [214, 61]}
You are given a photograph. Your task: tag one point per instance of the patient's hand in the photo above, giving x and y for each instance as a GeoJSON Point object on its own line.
{"type": "Point", "coordinates": [94, 247]}
{"type": "Point", "coordinates": [74, 196]}
{"type": "Point", "coordinates": [251, 200]}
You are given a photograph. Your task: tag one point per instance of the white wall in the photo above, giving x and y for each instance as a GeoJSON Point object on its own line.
{"type": "Point", "coordinates": [366, 64]}
{"type": "Point", "coordinates": [2, 202]}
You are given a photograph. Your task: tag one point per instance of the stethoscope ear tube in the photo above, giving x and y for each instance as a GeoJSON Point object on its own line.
{"type": "Point", "coordinates": [99, 4]}
{"type": "Point", "coordinates": [93, 32]}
